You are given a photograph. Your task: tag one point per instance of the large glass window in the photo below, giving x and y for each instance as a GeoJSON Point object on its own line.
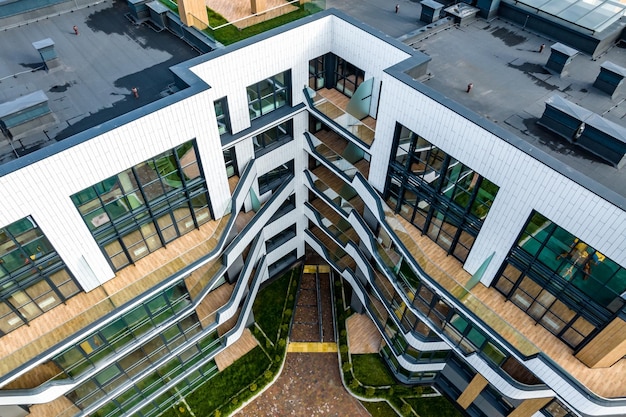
{"type": "Point", "coordinates": [560, 281]}
{"type": "Point", "coordinates": [141, 209]}
{"type": "Point", "coordinates": [272, 138]}
{"type": "Point", "coordinates": [33, 278]}
{"type": "Point", "coordinates": [438, 194]}
{"type": "Point", "coordinates": [119, 333]}
{"type": "Point", "coordinates": [269, 94]}
{"type": "Point", "coordinates": [317, 72]}
{"type": "Point", "coordinates": [348, 77]}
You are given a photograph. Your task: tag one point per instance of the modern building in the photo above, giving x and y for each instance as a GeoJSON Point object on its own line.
{"type": "Point", "coordinates": [473, 200]}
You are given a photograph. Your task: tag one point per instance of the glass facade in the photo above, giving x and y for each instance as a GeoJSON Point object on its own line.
{"type": "Point", "coordinates": [139, 210]}
{"type": "Point", "coordinates": [269, 94]}
{"type": "Point", "coordinates": [33, 278]}
{"type": "Point", "coordinates": [317, 73]}
{"type": "Point", "coordinates": [438, 194]}
{"type": "Point", "coordinates": [231, 162]}
{"type": "Point", "coordinates": [560, 281]}
{"type": "Point", "coordinates": [344, 76]}
{"type": "Point", "coordinates": [280, 238]}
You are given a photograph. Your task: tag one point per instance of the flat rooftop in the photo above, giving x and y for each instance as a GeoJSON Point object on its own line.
{"type": "Point", "coordinates": [96, 72]}
{"type": "Point", "coordinates": [511, 86]}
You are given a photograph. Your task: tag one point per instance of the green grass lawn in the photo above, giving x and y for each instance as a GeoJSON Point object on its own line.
{"type": "Point", "coordinates": [230, 34]}
{"type": "Point", "coordinates": [268, 306]}
{"type": "Point", "coordinates": [371, 371]}
{"type": "Point", "coordinates": [379, 409]}
{"type": "Point", "coordinates": [433, 407]}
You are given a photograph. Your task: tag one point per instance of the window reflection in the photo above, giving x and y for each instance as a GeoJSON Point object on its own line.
{"type": "Point", "coordinates": [562, 282]}
{"type": "Point", "coordinates": [437, 193]}
{"type": "Point", "coordinates": [137, 211]}
{"type": "Point", "coordinates": [33, 277]}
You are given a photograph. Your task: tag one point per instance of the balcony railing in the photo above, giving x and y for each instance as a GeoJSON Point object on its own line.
{"type": "Point", "coordinates": [333, 114]}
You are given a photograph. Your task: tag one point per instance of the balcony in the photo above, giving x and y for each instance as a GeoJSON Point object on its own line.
{"type": "Point", "coordinates": [344, 155]}
{"type": "Point", "coordinates": [511, 323]}
{"type": "Point", "coordinates": [332, 105]}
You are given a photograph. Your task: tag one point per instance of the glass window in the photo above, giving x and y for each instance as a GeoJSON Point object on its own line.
{"type": "Point", "coordinates": [137, 211]}
{"type": "Point", "coordinates": [563, 283]}
{"type": "Point", "coordinates": [274, 178]}
{"type": "Point", "coordinates": [33, 277]}
{"type": "Point", "coordinates": [272, 138]}
{"type": "Point", "coordinates": [221, 115]}
{"type": "Point", "coordinates": [317, 73]}
{"type": "Point", "coordinates": [269, 94]}
{"type": "Point", "coordinates": [437, 193]}
{"type": "Point", "coordinates": [347, 76]}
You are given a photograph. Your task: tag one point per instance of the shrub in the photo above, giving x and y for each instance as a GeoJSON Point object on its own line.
{"type": "Point", "coordinates": [370, 391]}
{"type": "Point", "coordinates": [406, 409]}
{"type": "Point", "coordinates": [253, 387]}
{"type": "Point", "coordinates": [268, 374]}
{"type": "Point", "coordinates": [346, 366]}
{"type": "Point", "coordinates": [343, 333]}
{"type": "Point", "coordinates": [343, 349]}
{"type": "Point", "coordinates": [235, 401]}
{"type": "Point", "coordinates": [218, 413]}
{"type": "Point", "coordinates": [354, 384]}
{"type": "Point", "coordinates": [288, 312]}
{"type": "Point", "coordinates": [282, 343]}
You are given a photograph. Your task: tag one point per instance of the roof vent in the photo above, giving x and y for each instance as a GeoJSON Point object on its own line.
{"type": "Point", "coordinates": [585, 129]}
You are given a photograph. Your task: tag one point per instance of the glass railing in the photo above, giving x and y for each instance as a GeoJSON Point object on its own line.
{"type": "Point", "coordinates": [455, 288]}
{"type": "Point", "coordinates": [339, 199]}
{"type": "Point", "coordinates": [340, 117]}
{"type": "Point", "coordinates": [331, 156]}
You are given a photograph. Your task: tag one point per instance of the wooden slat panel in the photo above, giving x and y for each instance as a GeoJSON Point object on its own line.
{"type": "Point", "coordinates": [472, 391]}
{"type": "Point", "coordinates": [529, 407]}
{"type": "Point", "coordinates": [607, 347]}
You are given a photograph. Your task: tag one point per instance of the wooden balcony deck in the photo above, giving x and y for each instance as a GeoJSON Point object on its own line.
{"type": "Point", "coordinates": [333, 104]}
{"type": "Point", "coordinates": [339, 145]}
{"type": "Point", "coordinates": [606, 382]}
{"type": "Point", "coordinates": [338, 185]}
{"type": "Point", "coordinates": [340, 100]}
{"type": "Point", "coordinates": [245, 344]}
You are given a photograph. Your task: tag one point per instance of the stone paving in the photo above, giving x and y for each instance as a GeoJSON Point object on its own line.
{"type": "Point", "coordinates": [309, 386]}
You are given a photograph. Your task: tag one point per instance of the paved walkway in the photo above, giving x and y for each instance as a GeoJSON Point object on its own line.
{"type": "Point", "coordinates": [309, 386]}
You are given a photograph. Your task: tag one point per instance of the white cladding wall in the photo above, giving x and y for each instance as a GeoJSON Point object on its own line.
{"type": "Point", "coordinates": [43, 189]}
{"type": "Point", "coordinates": [525, 183]}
